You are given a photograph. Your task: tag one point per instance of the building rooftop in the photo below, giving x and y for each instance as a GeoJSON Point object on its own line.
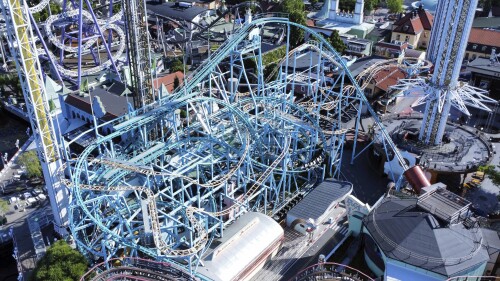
{"type": "Point", "coordinates": [173, 10]}
{"type": "Point", "coordinates": [409, 234]}
{"type": "Point", "coordinates": [168, 81]}
{"type": "Point", "coordinates": [487, 37]}
{"type": "Point", "coordinates": [244, 241]}
{"type": "Point", "coordinates": [414, 22]}
{"type": "Point", "coordinates": [442, 203]}
{"type": "Point", "coordinates": [483, 64]}
{"type": "Point", "coordinates": [388, 77]}
{"type": "Point", "coordinates": [114, 105]}
{"type": "Point", "coordinates": [363, 63]}
{"type": "Point", "coordinates": [483, 22]}
{"type": "Point", "coordinates": [318, 201]}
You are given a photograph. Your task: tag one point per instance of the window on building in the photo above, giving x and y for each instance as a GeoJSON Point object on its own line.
{"type": "Point", "coordinates": [466, 56]}
{"type": "Point", "coordinates": [407, 38]}
{"type": "Point", "coordinates": [483, 48]}
{"type": "Point", "coordinates": [474, 46]}
{"type": "Point", "coordinates": [302, 88]}
{"type": "Point", "coordinates": [473, 57]}
{"type": "Point", "coordinates": [398, 37]}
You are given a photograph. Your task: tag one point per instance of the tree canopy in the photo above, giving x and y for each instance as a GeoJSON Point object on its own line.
{"type": "Point", "coordinates": [337, 42]}
{"type": "Point", "coordinates": [493, 174]}
{"type": "Point", "coordinates": [61, 262]}
{"type": "Point", "coordinates": [4, 207]}
{"type": "Point", "coordinates": [395, 6]}
{"type": "Point", "coordinates": [370, 5]}
{"type": "Point", "coordinates": [29, 159]}
{"type": "Point", "coordinates": [176, 65]}
{"type": "Point", "coordinates": [295, 10]}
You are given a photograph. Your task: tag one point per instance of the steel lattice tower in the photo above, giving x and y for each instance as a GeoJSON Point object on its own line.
{"type": "Point", "coordinates": [23, 47]}
{"type": "Point", "coordinates": [449, 34]}
{"type": "Point", "coordinates": [139, 52]}
{"type": "Point", "coordinates": [447, 45]}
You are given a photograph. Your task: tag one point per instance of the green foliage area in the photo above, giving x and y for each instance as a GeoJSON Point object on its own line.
{"type": "Point", "coordinates": [347, 5]}
{"type": "Point", "coordinates": [176, 82]}
{"type": "Point", "coordinates": [395, 6]}
{"type": "Point", "coordinates": [61, 263]}
{"type": "Point", "coordinates": [44, 14]}
{"type": "Point", "coordinates": [4, 206]}
{"type": "Point", "coordinates": [370, 5]}
{"type": "Point", "coordinates": [29, 159]}
{"type": "Point", "coordinates": [296, 13]}
{"type": "Point", "coordinates": [12, 82]}
{"type": "Point", "coordinates": [493, 174]}
{"type": "Point", "coordinates": [176, 65]}
{"type": "Point", "coordinates": [337, 42]}
{"type": "Point", "coordinates": [273, 56]}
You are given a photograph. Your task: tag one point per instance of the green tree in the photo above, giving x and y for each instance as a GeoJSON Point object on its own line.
{"type": "Point", "coordinates": [370, 5]}
{"type": "Point", "coordinates": [347, 5]}
{"type": "Point", "coordinates": [395, 6]}
{"type": "Point", "coordinates": [297, 34]}
{"type": "Point", "coordinates": [176, 82]}
{"type": "Point", "coordinates": [29, 159]}
{"type": "Point", "coordinates": [295, 10]}
{"type": "Point", "coordinates": [61, 262]}
{"type": "Point", "coordinates": [337, 42]}
{"type": "Point", "coordinates": [4, 207]}
{"type": "Point", "coordinates": [493, 174]}
{"type": "Point", "coordinates": [176, 65]}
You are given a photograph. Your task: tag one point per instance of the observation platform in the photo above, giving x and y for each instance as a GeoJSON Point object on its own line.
{"type": "Point", "coordinates": [463, 150]}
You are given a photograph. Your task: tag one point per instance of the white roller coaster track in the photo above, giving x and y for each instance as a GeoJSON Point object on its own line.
{"type": "Point", "coordinates": [202, 234]}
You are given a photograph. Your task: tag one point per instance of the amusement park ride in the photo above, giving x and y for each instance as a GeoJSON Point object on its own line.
{"type": "Point", "coordinates": [179, 169]}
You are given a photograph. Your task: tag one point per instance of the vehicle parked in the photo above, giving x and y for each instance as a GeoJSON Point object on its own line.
{"type": "Point", "coordinates": [26, 195]}
{"type": "Point", "coordinates": [31, 202]}
{"type": "Point", "coordinates": [13, 200]}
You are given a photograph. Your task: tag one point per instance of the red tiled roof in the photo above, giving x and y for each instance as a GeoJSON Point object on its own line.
{"type": "Point", "coordinates": [388, 77]}
{"type": "Point", "coordinates": [168, 81]}
{"type": "Point", "coordinates": [484, 37]}
{"type": "Point", "coordinates": [411, 24]}
{"type": "Point", "coordinates": [310, 22]}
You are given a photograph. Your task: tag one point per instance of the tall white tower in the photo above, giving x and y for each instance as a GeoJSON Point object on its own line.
{"type": "Point", "coordinates": [449, 34]}
{"type": "Point", "coordinates": [358, 11]}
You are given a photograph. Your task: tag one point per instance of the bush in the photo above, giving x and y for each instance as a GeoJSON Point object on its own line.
{"type": "Point", "coordinates": [29, 159]}
{"type": "Point", "coordinates": [61, 262]}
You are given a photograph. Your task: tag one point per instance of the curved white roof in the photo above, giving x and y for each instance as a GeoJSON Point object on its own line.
{"type": "Point", "coordinates": [243, 242]}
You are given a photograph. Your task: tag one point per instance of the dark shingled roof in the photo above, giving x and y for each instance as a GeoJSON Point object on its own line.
{"type": "Point", "coordinates": [318, 200]}
{"type": "Point", "coordinates": [114, 105]}
{"type": "Point", "coordinates": [172, 10]}
{"type": "Point", "coordinates": [407, 233]}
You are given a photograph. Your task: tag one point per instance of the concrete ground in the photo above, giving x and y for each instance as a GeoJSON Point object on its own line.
{"type": "Point", "coordinates": [17, 219]}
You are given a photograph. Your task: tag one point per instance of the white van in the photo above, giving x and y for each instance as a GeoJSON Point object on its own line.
{"type": "Point", "coordinates": [30, 202]}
